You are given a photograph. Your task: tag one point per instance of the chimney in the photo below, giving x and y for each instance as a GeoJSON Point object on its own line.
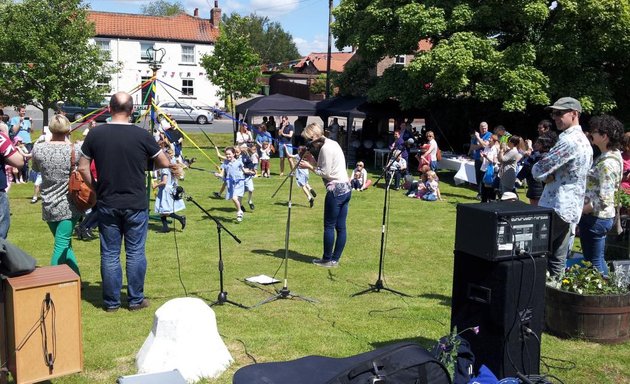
{"type": "Point", "coordinates": [215, 15]}
{"type": "Point", "coordinates": [196, 12]}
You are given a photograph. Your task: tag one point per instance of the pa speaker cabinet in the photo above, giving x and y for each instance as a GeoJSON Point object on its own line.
{"type": "Point", "coordinates": [503, 230]}
{"type": "Point", "coordinates": [43, 315]}
{"type": "Point", "coordinates": [505, 299]}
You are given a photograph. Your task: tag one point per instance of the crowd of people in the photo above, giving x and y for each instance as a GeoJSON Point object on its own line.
{"type": "Point", "coordinates": [562, 173]}
{"type": "Point", "coordinates": [559, 170]}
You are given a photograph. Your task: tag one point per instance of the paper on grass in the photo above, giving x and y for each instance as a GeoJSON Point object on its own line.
{"type": "Point", "coordinates": [262, 279]}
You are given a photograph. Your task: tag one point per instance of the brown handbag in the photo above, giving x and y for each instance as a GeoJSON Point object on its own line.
{"type": "Point", "coordinates": [81, 194]}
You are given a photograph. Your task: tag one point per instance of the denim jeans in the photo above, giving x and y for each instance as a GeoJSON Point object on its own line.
{"type": "Point", "coordinates": [113, 225]}
{"type": "Point", "coordinates": [562, 233]}
{"type": "Point", "coordinates": [5, 215]}
{"type": "Point", "coordinates": [63, 252]}
{"type": "Point", "coordinates": [593, 232]}
{"type": "Point", "coordinates": [335, 214]}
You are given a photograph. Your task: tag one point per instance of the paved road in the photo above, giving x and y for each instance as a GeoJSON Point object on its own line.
{"type": "Point", "coordinates": [223, 125]}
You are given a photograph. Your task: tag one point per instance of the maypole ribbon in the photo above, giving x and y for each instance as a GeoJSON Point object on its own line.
{"type": "Point", "coordinates": [174, 125]}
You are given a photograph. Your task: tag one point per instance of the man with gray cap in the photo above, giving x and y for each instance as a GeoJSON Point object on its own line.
{"type": "Point", "coordinates": [563, 170]}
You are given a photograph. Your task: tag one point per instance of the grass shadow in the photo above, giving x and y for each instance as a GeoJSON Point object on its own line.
{"type": "Point", "coordinates": [423, 341]}
{"type": "Point", "coordinates": [279, 253]}
{"type": "Point", "coordinates": [92, 292]}
{"type": "Point", "coordinates": [443, 300]}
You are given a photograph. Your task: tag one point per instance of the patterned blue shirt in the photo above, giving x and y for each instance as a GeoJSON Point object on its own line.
{"type": "Point", "coordinates": [568, 162]}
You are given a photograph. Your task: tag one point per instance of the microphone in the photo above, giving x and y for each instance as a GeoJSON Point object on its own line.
{"type": "Point", "coordinates": [310, 143]}
{"type": "Point", "coordinates": [179, 193]}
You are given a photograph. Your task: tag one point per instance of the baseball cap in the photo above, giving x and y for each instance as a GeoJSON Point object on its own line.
{"type": "Point", "coordinates": [566, 103]}
{"type": "Point", "coordinates": [509, 196]}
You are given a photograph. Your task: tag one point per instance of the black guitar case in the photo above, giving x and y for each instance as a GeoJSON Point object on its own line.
{"type": "Point", "coordinates": [401, 363]}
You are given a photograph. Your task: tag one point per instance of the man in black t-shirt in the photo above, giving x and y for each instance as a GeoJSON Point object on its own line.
{"type": "Point", "coordinates": [121, 152]}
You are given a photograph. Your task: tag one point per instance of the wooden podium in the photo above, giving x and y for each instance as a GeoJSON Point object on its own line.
{"type": "Point", "coordinates": [43, 324]}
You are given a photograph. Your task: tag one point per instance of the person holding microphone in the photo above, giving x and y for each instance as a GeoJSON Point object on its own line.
{"type": "Point", "coordinates": [328, 162]}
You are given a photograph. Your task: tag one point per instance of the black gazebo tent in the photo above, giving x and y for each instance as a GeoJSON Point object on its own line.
{"type": "Point", "coordinates": [276, 105]}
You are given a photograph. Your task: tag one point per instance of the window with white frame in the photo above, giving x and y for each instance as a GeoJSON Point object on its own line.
{"type": "Point", "coordinates": [188, 54]}
{"type": "Point", "coordinates": [103, 46]}
{"type": "Point", "coordinates": [187, 87]}
{"type": "Point", "coordinates": [103, 82]}
{"type": "Point", "coordinates": [400, 59]}
{"type": "Point", "coordinates": [144, 55]}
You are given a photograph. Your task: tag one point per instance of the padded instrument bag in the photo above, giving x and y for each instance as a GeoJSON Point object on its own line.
{"type": "Point", "coordinates": [401, 363]}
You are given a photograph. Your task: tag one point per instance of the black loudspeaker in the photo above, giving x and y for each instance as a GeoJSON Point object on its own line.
{"type": "Point", "coordinates": [503, 230]}
{"type": "Point", "coordinates": [506, 300]}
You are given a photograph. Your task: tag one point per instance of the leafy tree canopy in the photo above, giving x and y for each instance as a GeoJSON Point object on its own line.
{"type": "Point", "coordinates": [517, 52]}
{"type": "Point", "coordinates": [272, 43]}
{"type": "Point", "coordinates": [45, 54]}
{"type": "Point", "coordinates": [234, 65]}
{"type": "Point", "coordinates": [163, 8]}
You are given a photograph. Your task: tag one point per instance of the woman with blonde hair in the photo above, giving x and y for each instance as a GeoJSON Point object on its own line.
{"type": "Point", "coordinates": [328, 161]}
{"type": "Point", "coordinates": [52, 159]}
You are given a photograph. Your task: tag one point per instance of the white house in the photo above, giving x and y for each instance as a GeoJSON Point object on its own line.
{"type": "Point", "coordinates": [124, 39]}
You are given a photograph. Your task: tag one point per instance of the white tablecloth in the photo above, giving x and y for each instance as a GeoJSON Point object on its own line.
{"type": "Point", "coordinates": [464, 167]}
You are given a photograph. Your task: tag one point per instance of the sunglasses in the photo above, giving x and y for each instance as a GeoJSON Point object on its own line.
{"type": "Point", "coordinates": [559, 113]}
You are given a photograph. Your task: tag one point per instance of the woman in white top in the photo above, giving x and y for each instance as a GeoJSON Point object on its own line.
{"type": "Point", "coordinates": [328, 161]}
{"type": "Point", "coordinates": [431, 153]}
{"type": "Point", "coordinates": [243, 136]}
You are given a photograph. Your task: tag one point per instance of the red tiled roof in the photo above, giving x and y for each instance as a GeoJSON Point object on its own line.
{"type": "Point", "coordinates": [181, 27]}
{"type": "Point", "coordinates": [424, 45]}
{"type": "Point", "coordinates": [337, 62]}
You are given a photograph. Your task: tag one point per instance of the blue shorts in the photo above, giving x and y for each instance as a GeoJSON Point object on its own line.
{"type": "Point", "coordinates": [281, 149]}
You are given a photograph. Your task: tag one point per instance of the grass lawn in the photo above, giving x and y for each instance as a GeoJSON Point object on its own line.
{"type": "Point", "coordinates": [418, 261]}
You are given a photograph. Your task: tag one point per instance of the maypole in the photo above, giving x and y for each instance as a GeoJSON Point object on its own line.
{"type": "Point", "coordinates": [156, 56]}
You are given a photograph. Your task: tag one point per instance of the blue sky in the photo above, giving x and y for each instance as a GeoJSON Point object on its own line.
{"type": "Point", "coordinates": [305, 20]}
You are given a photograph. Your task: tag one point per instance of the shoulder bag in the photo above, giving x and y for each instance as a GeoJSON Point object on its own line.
{"type": "Point", "coordinates": [81, 194]}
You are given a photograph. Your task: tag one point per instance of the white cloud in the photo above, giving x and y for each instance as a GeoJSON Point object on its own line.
{"type": "Point", "coordinates": [317, 44]}
{"type": "Point", "coordinates": [273, 8]}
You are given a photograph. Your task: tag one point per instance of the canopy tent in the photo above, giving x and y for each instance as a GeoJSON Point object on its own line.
{"type": "Point", "coordinates": [276, 105]}
{"type": "Point", "coordinates": [359, 108]}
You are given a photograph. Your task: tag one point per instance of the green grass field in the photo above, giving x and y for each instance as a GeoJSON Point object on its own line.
{"type": "Point", "coordinates": [418, 261]}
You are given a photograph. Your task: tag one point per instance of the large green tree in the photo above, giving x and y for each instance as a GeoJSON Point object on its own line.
{"type": "Point", "coordinates": [234, 66]}
{"type": "Point", "coordinates": [517, 53]}
{"type": "Point", "coordinates": [45, 54]}
{"type": "Point", "coordinates": [272, 43]}
{"type": "Point", "coordinates": [163, 8]}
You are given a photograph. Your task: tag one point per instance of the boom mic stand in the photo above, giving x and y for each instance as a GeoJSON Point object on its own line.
{"type": "Point", "coordinates": [285, 293]}
{"type": "Point", "coordinates": [222, 297]}
{"type": "Point", "coordinates": [378, 285]}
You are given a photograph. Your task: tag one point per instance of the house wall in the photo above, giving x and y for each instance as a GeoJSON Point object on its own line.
{"type": "Point", "coordinates": [387, 62]}
{"type": "Point", "coordinates": [170, 76]}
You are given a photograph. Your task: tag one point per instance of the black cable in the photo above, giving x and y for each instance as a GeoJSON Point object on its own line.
{"type": "Point", "coordinates": [48, 306]}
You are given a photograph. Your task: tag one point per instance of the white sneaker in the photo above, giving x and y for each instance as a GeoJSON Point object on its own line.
{"type": "Point", "coordinates": [239, 216]}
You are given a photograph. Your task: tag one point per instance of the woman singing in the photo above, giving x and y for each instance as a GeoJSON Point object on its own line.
{"type": "Point", "coordinates": [331, 166]}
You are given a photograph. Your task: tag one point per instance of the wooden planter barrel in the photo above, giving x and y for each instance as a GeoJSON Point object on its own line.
{"type": "Point", "coordinates": [602, 319]}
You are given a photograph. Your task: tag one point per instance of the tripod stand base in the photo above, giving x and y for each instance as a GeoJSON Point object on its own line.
{"type": "Point", "coordinates": [377, 287]}
{"type": "Point", "coordinates": [222, 299]}
{"type": "Point", "coordinates": [284, 293]}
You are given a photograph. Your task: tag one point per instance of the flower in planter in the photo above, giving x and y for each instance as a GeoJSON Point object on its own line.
{"type": "Point", "coordinates": [583, 279]}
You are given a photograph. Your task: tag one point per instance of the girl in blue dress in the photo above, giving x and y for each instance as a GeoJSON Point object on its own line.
{"type": "Point", "coordinates": [165, 203]}
{"type": "Point", "coordinates": [233, 173]}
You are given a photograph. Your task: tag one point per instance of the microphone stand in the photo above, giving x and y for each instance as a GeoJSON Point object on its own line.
{"type": "Point", "coordinates": [378, 285]}
{"type": "Point", "coordinates": [222, 297]}
{"type": "Point", "coordinates": [285, 293]}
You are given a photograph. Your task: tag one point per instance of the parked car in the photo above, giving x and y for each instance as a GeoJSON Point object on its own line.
{"type": "Point", "coordinates": [185, 112]}
{"type": "Point", "coordinates": [76, 112]}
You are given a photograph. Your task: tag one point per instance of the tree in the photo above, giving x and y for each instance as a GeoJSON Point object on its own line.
{"type": "Point", "coordinates": [269, 40]}
{"type": "Point", "coordinates": [234, 65]}
{"type": "Point", "coordinates": [45, 54]}
{"type": "Point", "coordinates": [518, 53]}
{"type": "Point", "coordinates": [163, 8]}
